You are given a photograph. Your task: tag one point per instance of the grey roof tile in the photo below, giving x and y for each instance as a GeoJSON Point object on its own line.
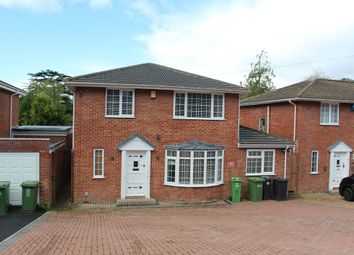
{"type": "Point", "coordinates": [154, 76]}
{"type": "Point", "coordinates": [319, 89]}
{"type": "Point", "coordinates": [250, 136]}
{"type": "Point", "coordinates": [9, 87]}
{"type": "Point", "coordinates": [194, 145]}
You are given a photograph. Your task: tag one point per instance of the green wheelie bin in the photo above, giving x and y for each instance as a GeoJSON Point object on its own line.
{"type": "Point", "coordinates": [29, 195]}
{"type": "Point", "coordinates": [255, 189]}
{"type": "Point", "coordinates": [236, 186]}
{"type": "Point", "coordinates": [4, 197]}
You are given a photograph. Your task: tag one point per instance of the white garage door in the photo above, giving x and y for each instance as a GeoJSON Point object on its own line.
{"type": "Point", "coordinates": [16, 168]}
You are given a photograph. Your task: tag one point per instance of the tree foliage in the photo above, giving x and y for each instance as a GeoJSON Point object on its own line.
{"type": "Point", "coordinates": [260, 78]}
{"type": "Point", "coordinates": [47, 101]}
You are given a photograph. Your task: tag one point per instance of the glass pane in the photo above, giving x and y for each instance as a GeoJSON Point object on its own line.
{"type": "Point", "coordinates": [210, 171]}
{"type": "Point", "coordinates": [254, 165]}
{"type": "Point", "coordinates": [211, 154]}
{"type": "Point", "coordinates": [172, 153]}
{"type": "Point", "coordinates": [199, 154]}
{"type": "Point", "coordinates": [171, 170]}
{"type": "Point", "coordinates": [334, 113]}
{"type": "Point", "coordinates": [219, 174]}
{"type": "Point", "coordinates": [184, 154]}
{"type": "Point", "coordinates": [179, 104]}
{"type": "Point", "coordinates": [314, 161]}
{"type": "Point", "coordinates": [255, 153]}
{"type": "Point", "coordinates": [198, 105]}
{"type": "Point", "coordinates": [127, 102]}
{"type": "Point", "coordinates": [218, 106]}
{"type": "Point", "coordinates": [268, 161]}
{"type": "Point", "coordinates": [198, 171]}
{"type": "Point", "coordinates": [98, 162]}
{"type": "Point", "coordinates": [184, 171]}
{"type": "Point", "coordinates": [219, 153]}
{"type": "Point", "coordinates": [112, 102]}
{"type": "Point", "coordinates": [325, 113]}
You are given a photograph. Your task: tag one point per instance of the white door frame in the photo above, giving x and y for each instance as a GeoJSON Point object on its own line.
{"type": "Point", "coordinates": [338, 147]}
{"type": "Point", "coordinates": [135, 143]}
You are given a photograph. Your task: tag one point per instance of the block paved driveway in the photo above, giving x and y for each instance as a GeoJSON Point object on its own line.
{"type": "Point", "coordinates": [292, 227]}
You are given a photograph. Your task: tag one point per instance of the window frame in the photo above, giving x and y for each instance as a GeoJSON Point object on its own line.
{"type": "Point", "coordinates": [330, 123]}
{"type": "Point", "coordinates": [186, 106]}
{"type": "Point", "coordinates": [94, 164]}
{"type": "Point", "coordinates": [261, 128]}
{"type": "Point", "coordinates": [318, 154]}
{"type": "Point", "coordinates": [262, 157]}
{"type": "Point", "coordinates": [120, 115]}
{"type": "Point", "coordinates": [191, 158]}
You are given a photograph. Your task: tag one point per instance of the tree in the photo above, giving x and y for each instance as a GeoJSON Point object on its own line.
{"type": "Point", "coordinates": [47, 101]}
{"type": "Point", "coordinates": [260, 78]}
{"type": "Point", "coordinates": [317, 74]}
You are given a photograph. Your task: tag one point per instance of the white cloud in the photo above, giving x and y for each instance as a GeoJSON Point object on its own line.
{"type": "Point", "coordinates": [35, 6]}
{"type": "Point", "coordinates": [97, 4]}
{"type": "Point", "coordinates": [222, 40]}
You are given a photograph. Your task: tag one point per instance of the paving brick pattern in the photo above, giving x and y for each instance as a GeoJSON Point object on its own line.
{"type": "Point", "coordinates": [292, 227]}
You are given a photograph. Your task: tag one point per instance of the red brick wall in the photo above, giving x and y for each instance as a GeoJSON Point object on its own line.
{"type": "Point", "coordinates": [41, 146]}
{"type": "Point", "coordinates": [249, 116]}
{"type": "Point", "coordinates": [5, 112]}
{"type": "Point", "coordinates": [281, 120]}
{"type": "Point", "coordinates": [312, 136]}
{"type": "Point", "coordinates": [153, 117]}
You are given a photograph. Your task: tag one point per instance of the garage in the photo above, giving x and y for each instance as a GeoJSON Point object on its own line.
{"type": "Point", "coordinates": [16, 168]}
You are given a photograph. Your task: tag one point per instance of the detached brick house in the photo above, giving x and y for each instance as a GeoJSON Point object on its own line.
{"type": "Point", "coordinates": [9, 108]}
{"type": "Point", "coordinates": [319, 117]}
{"type": "Point", "coordinates": [156, 132]}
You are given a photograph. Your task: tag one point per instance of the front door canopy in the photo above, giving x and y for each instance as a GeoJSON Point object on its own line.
{"type": "Point", "coordinates": [340, 146]}
{"type": "Point", "coordinates": [136, 143]}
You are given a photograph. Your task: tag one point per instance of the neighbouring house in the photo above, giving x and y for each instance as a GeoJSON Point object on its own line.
{"type": "Point", "coordinates": [156, 132]}
{"type": "Point", "coordinates": [9, 108]}
{"type": "Point", "coordinates": [31, 152]}
{"type": "Point", "coordinates": [318, 116]}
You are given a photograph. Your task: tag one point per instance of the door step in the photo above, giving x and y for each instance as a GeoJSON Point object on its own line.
{"type": "Point", "coordinates": [136, 202]}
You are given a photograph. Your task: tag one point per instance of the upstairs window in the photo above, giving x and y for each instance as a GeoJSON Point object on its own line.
{"type": "Point", "coordinates": [198, 106]}
{"type": "Point", "coordinates": [119, 103]}
{"type": "Point", "coordinates": [329, 114]}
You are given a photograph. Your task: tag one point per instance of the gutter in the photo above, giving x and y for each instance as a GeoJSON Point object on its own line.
{"type": "Point", "coordinates": [295, 111]}
{"type": "Point", "coordinates": [297, 99]}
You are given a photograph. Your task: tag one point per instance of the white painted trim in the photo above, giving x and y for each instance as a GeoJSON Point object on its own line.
{"type": "Point", "coordinates": [124, 116]}
{"type": "Point", "coordinates": [283, 100]}
{"type": "Point", "coordinates": [186, 106]}
{"type": "Point", "coordinates": [318, 155]}
{"type": "Point", "coordinates": [124, 160]}
{"type": "Point", "coordinates": [72, 84]}
{"type": "Point", "coordinates": [94, 164]}
{"type": "Point", "coordinates": [262, 157]}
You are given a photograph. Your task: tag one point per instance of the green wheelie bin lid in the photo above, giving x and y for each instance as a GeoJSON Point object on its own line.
{"type": "Point", "coordinates": [236, 179]}
{"type": "Point", "coordinates": [4, 184]}
{"type": "Point", "coordinates": [255, 179]}
{"type": "Point", "coordinates": [30, 184]}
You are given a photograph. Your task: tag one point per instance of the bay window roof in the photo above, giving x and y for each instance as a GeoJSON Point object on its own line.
{"type": "Point", "coordinates": [194, 145]}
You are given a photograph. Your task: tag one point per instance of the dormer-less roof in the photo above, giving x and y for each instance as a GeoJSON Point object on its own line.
{"type": "Point", "coordinates": [153, 76]}
{"type": "Point", "coordinates": [11, 88]}
{"type": "Point", "coordinates": [316, 90]}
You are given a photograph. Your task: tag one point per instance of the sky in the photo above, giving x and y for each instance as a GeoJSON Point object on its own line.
{"type": "Point", "coordinates": [215, 38]}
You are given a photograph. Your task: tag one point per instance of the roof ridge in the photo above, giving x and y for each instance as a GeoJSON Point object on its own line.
{"type": "Point", "coordinates": [306, 87]}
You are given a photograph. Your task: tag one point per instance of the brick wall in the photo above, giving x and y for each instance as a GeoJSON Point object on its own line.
{"type": "Point", "coordinates": [5, 112]}
{"type": "Point", "coordinates": [312, 136]}
{"type": "Point", "coordinates": [153, 117]}
{"type": "Point", "coordinates": [35, 146]}
{"type": "Point", "coordinates": [249, 116]}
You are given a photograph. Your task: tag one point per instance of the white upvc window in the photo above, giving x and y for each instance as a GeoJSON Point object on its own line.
{"type": "Point", "coordinates": [329, 114]}
{"type": "Point", "coordinates": [198, 106]}
{"type": "Point", "coordinates": [314, 162]}
{"type": "Point", "coordinates": [260, 162]}
{"type": "Point", "coordinates": [98, 163]}
{"type": "Point", "coordinates": [119, 103]}
{"type": "Point", "coordinates": [194, 168]}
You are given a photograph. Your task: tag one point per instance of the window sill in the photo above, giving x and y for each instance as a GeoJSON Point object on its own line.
{"type": "Point", "coordinates": [193, 185]}
{"type": "Point", "coordinates": [185, 118]}
{"type": "Point", "coordinates": [98, 177]}
{"type": "Point", "coordinates": [329, 124]}
{"type": "Point", "coordinates": [262, 174]}
{"type": "Point", "coordinates": [119, 117]}
{"type": "Point", "coordinates": [315, 173]}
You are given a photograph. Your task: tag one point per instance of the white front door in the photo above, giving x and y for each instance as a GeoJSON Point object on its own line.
{"type": "Point", "coordinates": [136, 173]}
{"type": "Point", "coordinates": [339, 168]}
